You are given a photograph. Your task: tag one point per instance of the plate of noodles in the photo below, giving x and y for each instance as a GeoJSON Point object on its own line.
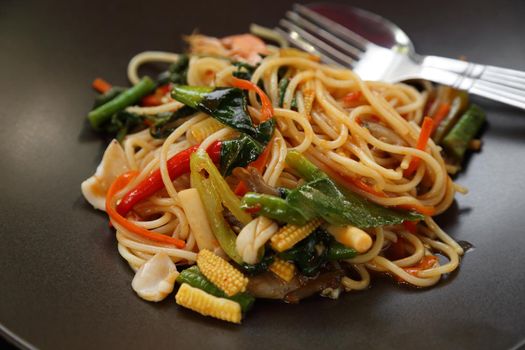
{"type": "Point", "coordinates": [245, 189]}
{"type": "Point", "coordinates": [252, 171]}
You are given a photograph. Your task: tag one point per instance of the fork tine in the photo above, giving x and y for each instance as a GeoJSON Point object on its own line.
{"type": "Point", "coordinates": [325, 22]}
{"type": "Point", "coordinates": [320, 45]}
{"type": "Point", "coordinates": [299, 42]}
{"type": "Point", "coordinates": [331, 39]}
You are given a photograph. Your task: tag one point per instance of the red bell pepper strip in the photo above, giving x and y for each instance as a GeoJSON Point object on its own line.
{"type": "Point", "coordinates": [177, 165]}
{"type": "Point", "coordinates": [155, 99]}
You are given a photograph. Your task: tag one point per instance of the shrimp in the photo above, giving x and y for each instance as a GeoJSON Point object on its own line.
{"type": "Point", "coordinates": [243, 47]}
{"type": "Point", "coordinates": [246, 47]}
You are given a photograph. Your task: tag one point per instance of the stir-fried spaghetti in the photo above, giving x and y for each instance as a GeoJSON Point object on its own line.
{"type": "Point", "coordinates": [312, 131]}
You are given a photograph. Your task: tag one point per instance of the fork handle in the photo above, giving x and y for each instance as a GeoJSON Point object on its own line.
{"type": "Point", "coordinates": [498, 84]}
{"type": "Point", "coordinates": [504, 76]}
{"type": "Point", "coordinates": [493, 91]}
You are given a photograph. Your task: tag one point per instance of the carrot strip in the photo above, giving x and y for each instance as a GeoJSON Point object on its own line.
{"type": "Point", "coordinates": [116, 186]}
{"type": "Point", "coordinates": [424, 135]}
{"type": "Point", "coordinates": [258, 164]}
{"type": "Point", "coordinates": [267, 108]}
{"type": "Point", "coordinates": [101, 85]}
{"type": "Point", "coordinates": [441, 113]}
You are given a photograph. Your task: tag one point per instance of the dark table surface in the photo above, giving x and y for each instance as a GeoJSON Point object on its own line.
{"type": "Point", "coordinates": [62, 282]}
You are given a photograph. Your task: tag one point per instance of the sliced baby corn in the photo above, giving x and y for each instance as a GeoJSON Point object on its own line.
{"type": "Point", "coordinates": [283, 269]}
{"type": "Point", "coordinates": [221, 273]}
{"type": "Point", "coordinates": [290, 234]}
{"type": "Point", "coordinates": [207, 304]}
{"type": "Point", "coordinates": [351, 236]}
{"type": "Point", "coordinates": [203, 129]}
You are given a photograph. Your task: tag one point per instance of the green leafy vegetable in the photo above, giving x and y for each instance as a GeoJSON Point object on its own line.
{"type": "Point", "coordinates": [260, 267]}
{"type": "Point", "coordinates": [123, 123]}
{"type": "Point", "coordinates": [194, 277]}
{"type": "Point", "coordinates": [338, 251]}
{"type": "Point", "coordinates": [283, 85]}
{"type": "Point", "coordinates": [310, 254]}
{"type": "Point", "coordinates": [165, 123]}
{"type": "Point", "coordinates": [227, 105]}
{"type": "Point", "coordinates": [177, 72]}
{"type": "Point", "coordinates": [238, 153]}
{"type": "Point", "coordinates": [244, 70]}
{"type": "Point", "coordinates": [321, 197]}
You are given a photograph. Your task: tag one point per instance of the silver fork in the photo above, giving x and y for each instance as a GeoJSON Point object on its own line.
{"type": "Point", "coordinates": [338, 45]}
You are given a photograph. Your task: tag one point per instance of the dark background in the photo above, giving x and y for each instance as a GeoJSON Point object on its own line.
{"type": "Point", "coordinates": [63, 284]}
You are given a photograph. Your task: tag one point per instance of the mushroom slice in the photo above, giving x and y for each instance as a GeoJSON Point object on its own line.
{"type": "Point", "coordinates": [156, 278]}
{"type": "Point", "coordinates": [113, 164]}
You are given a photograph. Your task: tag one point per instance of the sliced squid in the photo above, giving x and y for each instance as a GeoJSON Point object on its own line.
{"type": "Point", "coordinates": [155, 280]}
{"type": "Point", "coordinates": [253, 236]}
{"type": "Point", "coordinates": [113, 164]}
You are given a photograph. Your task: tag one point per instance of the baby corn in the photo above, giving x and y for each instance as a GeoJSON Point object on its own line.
{"type": "Point", "coordinates": [207, 304]}
{"type": "Point", "coordinates": [290, 234]}
{"type": "Point", "coordinates": [203, 129]}
{"type": "Point", "coordinates": [283, 269]}
{"type": "Point", "coordinates": [221, 273]}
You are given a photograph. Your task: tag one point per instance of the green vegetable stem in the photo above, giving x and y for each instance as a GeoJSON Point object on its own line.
{"type": "Point", "coordinates": [457, 140]}
{"type": "Point", "coordinates": [273, 207]}
{"type": "Point", "coordinates": [102, 114]}
{"type": "Point", "coordinates": [214, 192]}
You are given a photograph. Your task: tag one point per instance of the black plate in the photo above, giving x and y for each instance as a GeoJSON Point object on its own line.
{"type": "Point", "coordinates": [62, 282]}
